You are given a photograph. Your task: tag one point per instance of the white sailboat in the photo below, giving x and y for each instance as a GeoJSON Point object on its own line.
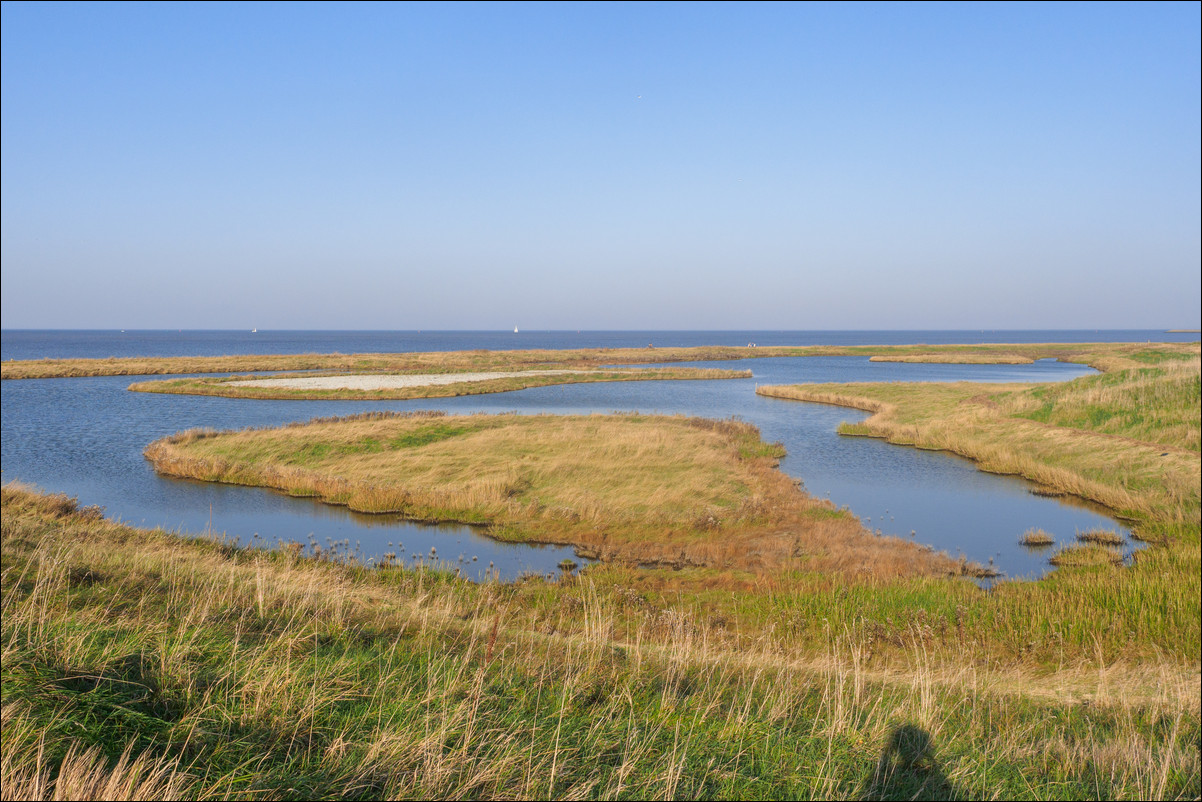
{"type": "Point", "coordinates": [254, 331]}
{"type": "Point", "coordinates": [515, 329]}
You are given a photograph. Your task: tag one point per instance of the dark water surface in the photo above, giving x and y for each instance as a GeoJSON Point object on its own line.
{"type": "Point", "coordinates": [85, 437]}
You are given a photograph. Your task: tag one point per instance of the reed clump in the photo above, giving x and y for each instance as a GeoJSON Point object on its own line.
{"type": "Point", "coordinates": [1086, 556]}
{"type": "Point", "coordinates": [1102, 537]}
{"type": "Point", "coordinates": [1036, 537]}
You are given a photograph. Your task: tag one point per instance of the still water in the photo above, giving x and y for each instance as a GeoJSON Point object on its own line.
{"type": "Point", "coordinates": [85, 437]}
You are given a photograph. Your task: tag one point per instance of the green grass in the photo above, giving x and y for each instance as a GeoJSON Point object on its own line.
{"type": "Point", "coordinates": [1158, 405]}
{"type": "Point", "coordinates": [1140, 460]}
{"type": "Point", "coordinates": [253, 674]}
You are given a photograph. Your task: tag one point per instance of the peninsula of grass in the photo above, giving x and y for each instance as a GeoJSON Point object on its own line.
{"type": "Point", "coordinates": [630, 488]}
{"type": "Point", "coordinates": [1128, 439]}
{"type": "Point", "coordinates": [1104, 356]}
{"type": "Point", "coordinates": [409, 386]}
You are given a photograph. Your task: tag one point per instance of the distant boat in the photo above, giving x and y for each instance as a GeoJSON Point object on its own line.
{"type": "Point", "coordinates": [254, 331]}
{"type": "Point", "coordinates": [515, 329]}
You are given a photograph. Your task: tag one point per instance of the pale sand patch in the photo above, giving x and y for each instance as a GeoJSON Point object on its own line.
{"type": "Point", "coordinates": [391, 382]}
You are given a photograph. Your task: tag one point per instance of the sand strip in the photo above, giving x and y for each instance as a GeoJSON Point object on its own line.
{"type": "Point", "coordinates": [393, 381]}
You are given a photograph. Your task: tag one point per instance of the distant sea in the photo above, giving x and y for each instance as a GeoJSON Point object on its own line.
{"type": "Point", "coordinates": [78, 343]}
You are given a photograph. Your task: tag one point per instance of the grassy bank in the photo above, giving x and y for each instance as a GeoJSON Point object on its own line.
{"type": "Point", "coordinates": [1100, 355]}
{"type": "Point", "coordinates": [635, 488]}
{"type": "Point", "coordinates": [224, 386]}
{"type": "Point", "coordinates": [1127, 440]}
{"type": "Point", "coordinates": [137, 660]}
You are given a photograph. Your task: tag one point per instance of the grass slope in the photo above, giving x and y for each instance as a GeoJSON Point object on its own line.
{"type": "Point", "coordinates": [137, 661]}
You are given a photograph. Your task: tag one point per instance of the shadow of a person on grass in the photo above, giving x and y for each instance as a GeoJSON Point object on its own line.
{"type": "Point", "coordinates": [908, 769]}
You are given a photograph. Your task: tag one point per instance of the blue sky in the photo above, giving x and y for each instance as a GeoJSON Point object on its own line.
{"type": "Point", "coordinates": [601, 166]}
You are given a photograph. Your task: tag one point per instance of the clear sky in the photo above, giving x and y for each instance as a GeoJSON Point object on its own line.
{"type": "Point", "coordinates": [601, 166]}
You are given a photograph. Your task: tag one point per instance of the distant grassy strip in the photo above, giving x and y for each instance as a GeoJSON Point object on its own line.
{"type": "Point", "coordinates": [634, 488]}
{"type": "Point", "coordinates": [222, 386]}
{"type": "Point", "coordinates": [1100, 355]}
{"type": "Point", "coordinates": [220, 672]}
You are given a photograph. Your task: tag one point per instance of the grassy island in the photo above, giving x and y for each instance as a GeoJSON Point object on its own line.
{"type": "Point", "coordinates": [633, 488]}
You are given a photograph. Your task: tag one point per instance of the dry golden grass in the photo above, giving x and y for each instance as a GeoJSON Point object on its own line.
{"type": "Point", "coordinates": [1104, 356]}
{"type": "Point", "coordinates": [642, 489]}
{"type": "Point", "coordinates": [289, 678]}
{"type": "Point", "coordinates": [87, 774]}
{"type": "Point", "coordinates": [1102, 537]}
{"type": "Point", "coordinates": [1036, 537]}
{"type": "Point", "coordinates": [1086, 555]}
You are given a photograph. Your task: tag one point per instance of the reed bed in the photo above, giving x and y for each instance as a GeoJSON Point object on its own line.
{"type": "Point", "coordinates": [1086, 555]}
{"type": "Point", "coordinates": [139, 663]}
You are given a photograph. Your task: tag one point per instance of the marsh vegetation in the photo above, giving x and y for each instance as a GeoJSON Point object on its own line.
{"type": "Point", "coordinates": [640, 489]}
{"type": "Point", "coordinates": [139, 660]}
